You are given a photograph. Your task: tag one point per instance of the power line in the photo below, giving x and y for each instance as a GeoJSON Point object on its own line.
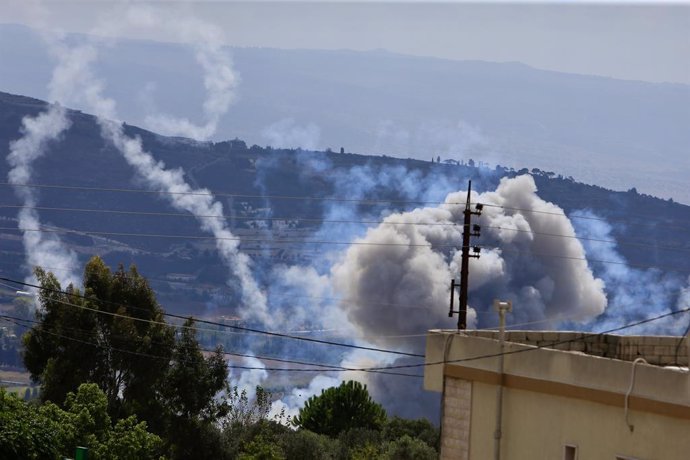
{"type": "Point", "coordinates": [214, 323]}
{"type": "Point", "coordinates": [322, 366]}
{"type": "Point", "coordinates": [227, 216]}
{"type": "Point", "coordinates": [584, 217]}
{"type": "Point", "coordinates": [343, 221]}
{"type": "Point", "coordinates": [279, 243]}
{"type": "Point", "coordinates": [600, 261]}
{"type": "Point", "coordinates": [311, 198]}
{"type": "Point", "coordinates": [210, 237]}
{"type": "Point", "coordinates": [331, 299]}
{"type": "Point", "coordinates": [584, 338]}
{"type": "Point", "coordinates": [596, 240]}
{"type": "Point", "coordinates": [406, 366]}
{"type": "Point", "coordinates": [354, 302]}
{"type": "Point", "coordinates": [223, 194]}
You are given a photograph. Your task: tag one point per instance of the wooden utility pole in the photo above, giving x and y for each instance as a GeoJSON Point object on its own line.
{"type": "Point", "coordinates": [468, 231]}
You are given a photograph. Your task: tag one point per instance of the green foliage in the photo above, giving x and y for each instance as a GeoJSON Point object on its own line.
{"type": "Point", "coordinates": [239, 438]}
{"type": "Point", "coordinates": [129, 439]}
{"type": "Point", "coordinates": [359, 443]}
{"type": "Point", "coordinates": [192, 381]}
{"type": "Point", "coordinates": [74, 344]}
{"type": "Point", "coordinates": [262, 449]}
{"type": "Point", "coordinates": [340, 408]}
{"type": "Point", "coordinates": [115, 336]}
{"type": "Point", "coordinates": [144, 370]}
{"type": "Point", "coordinates": [188, 393]}
{"type": "Point", "coordinates": [243, 411]}
{"type": "Point", "coordinates": [267, 439]}
{"type": "Point", "coordinates": [306, 445]}
{"type": "Point", "coordinates": [29, 431]}
{"type": "Point", "coordinates": [365, 452]}
{"type": "Point", "coordinates": [25, 432]}
{"type": "Point", "coordinates": [408, 448]}
{"type": "Point", "coordinates": [421, 429]}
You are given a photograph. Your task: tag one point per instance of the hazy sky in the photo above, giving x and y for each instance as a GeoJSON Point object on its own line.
{"type": "Point", "coordinates": [642, 41]}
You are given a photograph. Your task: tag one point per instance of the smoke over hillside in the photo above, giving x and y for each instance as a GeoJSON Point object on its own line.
{"type": "Point", "coordinates": [386, 281]}
{"type": "Point", "coordinates": [410, 257]}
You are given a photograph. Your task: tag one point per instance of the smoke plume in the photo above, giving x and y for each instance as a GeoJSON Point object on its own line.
{"type": "Point", "coordinates": [207, 40]}
{"type": "Point", "coordinates": [42, 249]}
{"type": "Point", "coordinates": [198, 202]}
{"type": "Point", "coordinates": [634, 293]}
{"type": "Point", "coordinates": [399, 272]}
{"type": "Point", "coordinates": [287, 134]}
{"type": "Point", "coordinates": [74, 82]}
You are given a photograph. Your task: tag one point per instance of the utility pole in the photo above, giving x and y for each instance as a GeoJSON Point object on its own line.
{"type": "Point", "coordinates": [468, 231]}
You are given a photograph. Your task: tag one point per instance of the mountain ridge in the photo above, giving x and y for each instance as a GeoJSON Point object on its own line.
{"type": "Point", "coordinates": [405, 106]}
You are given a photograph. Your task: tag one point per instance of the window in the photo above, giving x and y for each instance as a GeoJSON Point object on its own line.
{"type": "Point", "coordinates": [569, 452]}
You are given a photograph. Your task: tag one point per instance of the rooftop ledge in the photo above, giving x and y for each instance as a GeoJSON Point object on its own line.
{"type": "Point", "coordinates": [579, 361]}
{"type": "Point", "coordinates": [656, 350]}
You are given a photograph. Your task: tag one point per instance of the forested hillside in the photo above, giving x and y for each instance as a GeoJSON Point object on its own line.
{"type": "Point", "coordinates": [82, 172]}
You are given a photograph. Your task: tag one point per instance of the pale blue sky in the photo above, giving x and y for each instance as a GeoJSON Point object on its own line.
{"type": "Point", "coordinates": [641, 41]}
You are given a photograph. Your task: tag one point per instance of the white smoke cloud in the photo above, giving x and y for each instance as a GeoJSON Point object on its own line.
{"type": "Point", "coordinates": [42, 249]}
{"type": "Point", "coordinates": [286, 133]}
{"type": "Point", "coordinates": [302, 298]}
{"type": "Point", "coordinates": [198, 202]}
{"type": "Point", "coordinates": [545, 262]}
{"type": "Point", "coordinates": [448, 139]}
{"type": "Point", "coordinates": [38, 132]}
{"type": "Point", "coordinates": [207, 40]}
{"type": "Point", "coordinates": [399, 279]}
{"type": "Point", "coordinates": [635, 294]}
{"type": "Point", "coordinates": [290, 404]}
{"type": "Point", "coordinates": [74, 82]}
{"type": "Point", "coordinates": [249, 379]}
{"type": "Point", "coordinates": [684, 298]}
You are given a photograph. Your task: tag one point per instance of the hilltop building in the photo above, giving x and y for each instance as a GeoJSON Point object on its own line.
{"type": "Point", "coordinates": [561, 395]}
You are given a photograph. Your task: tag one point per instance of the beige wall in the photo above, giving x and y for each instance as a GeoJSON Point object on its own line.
{"type": "Point", "coordinates": [549, 401]}
{"type": "Point", "coordinates": [537, 426]}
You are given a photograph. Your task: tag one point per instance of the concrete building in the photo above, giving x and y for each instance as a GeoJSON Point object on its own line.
{"type": "Point", "coordinates": [561, 395]}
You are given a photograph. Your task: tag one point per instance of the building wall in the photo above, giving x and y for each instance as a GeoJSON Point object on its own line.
{"type": "Point", "coordinates": [457, 409]}
{"type": "Point", "coordinates": [553, 398]}
{"type": "Point", "coordinates": [538, 426]}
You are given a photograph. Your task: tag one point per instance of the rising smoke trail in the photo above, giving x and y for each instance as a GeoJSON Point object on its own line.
{"type": "Point", "coordinates": [45, 250]}
{"type": "Point", "coordinates": [75, 82]}
{"type": "Point", "coordinates": [38, 133]}
{"type": "Point", "coordinates": [219, 79]}
{"type": "Point", "coordinates": [207, 40]}
{"type": "Point", "coordinates": [198, 202]}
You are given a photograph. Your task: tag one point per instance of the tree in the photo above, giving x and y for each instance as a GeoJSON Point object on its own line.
{"type": "Point", "coordinates": [24, 432]}
{"type": "Point", "coordinates": [421, 429]}
{"type": "Point", "coordinates": [408, 448]}
{"type": "Point", "coordinates": [340, 408]}
{"type": "Point", "coordinates": [112, 335]}
{"type": "Point", "coordinates": [33, 432]}
{"type": "Point", "coordinates": [189, 391]}
{"type": "Point", "coordinates": [192, 381]}
{"type": "Point", "coordinates": [305, 445]}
